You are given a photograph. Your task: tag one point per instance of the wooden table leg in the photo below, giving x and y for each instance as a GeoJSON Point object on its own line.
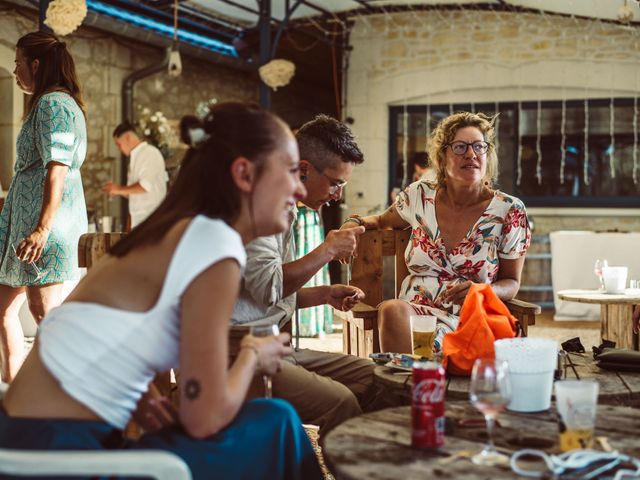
{"type": "Point", "coordinates": [616, 325]}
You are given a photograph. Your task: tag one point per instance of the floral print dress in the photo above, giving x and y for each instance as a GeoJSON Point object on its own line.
{"type": "Point", "coordinates": [502, 231]}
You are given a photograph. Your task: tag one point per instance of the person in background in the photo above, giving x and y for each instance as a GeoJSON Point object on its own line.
{"type": "Point", "coordinates": [325, 388]}
{"type": "Point", "coordinates": [421, 171]}
{"type": "Point", "coordinates": [44, 212]}
{"type": "Point", "coordinates": [162, 297]}
{"type": "Point", "coordinates": [462, 231]}
{"type": "Point", "coordinates": [146, 178]}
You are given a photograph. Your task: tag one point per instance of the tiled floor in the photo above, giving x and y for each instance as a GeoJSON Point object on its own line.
{"type": "Point", "coordinates": [546, 327]}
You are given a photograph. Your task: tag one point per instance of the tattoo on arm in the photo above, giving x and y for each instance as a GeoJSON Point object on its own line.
{"type": "Point", "coordinates": [192, 389]}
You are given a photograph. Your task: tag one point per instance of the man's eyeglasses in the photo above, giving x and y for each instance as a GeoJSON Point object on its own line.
{"type": "Point", "coordinates": [460, 148]}
{"type": "Point", "coordinates": [334, 185]}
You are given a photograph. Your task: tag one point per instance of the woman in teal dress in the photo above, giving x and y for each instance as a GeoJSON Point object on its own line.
{"type": "Point", "coordinates": [44, 213]}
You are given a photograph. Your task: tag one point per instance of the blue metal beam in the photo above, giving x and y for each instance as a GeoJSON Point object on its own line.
{"type": "Point", "coordinates": [164, 29]}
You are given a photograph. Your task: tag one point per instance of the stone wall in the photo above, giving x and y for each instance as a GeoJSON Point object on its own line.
{"type": "Point", "coordinates": [437, 57]}
{"type": "Point", "coordinates": [103, 61]}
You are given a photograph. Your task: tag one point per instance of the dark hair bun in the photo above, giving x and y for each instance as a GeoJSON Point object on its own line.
{"type": "Point", "coordinates": [187, 124]}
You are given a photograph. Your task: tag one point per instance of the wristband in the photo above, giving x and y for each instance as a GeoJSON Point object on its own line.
{"type": "Point", "coordinates": [356, 219]}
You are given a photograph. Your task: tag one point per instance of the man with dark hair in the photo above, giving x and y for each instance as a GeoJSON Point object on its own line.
{"type": "Point", "coordinates": [325, 388]}
{"type": "Point", "coordinates": [146, 177]}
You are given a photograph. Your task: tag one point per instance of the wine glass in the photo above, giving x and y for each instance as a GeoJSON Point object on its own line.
{"type": "Point", "coordinates": [490, 392]}
{"type": "Point", "coordinates": [266, 330]}
{"type": "Point", "coordinates": [597, 269]}
{"type": "Point", "coordinates": [39, 274]}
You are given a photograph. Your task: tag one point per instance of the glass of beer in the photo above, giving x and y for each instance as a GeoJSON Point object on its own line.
{"type": "Point", "coordinates": [423, 332]}
{"type": "Point", "coordinates": [577, 401]}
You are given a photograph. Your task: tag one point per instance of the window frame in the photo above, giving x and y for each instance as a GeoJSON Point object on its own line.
{"type": "Point", "coordinates": [619, 201]}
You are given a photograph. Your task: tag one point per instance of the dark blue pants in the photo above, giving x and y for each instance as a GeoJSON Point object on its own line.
{"type": "Point", "coordinates": [265, 441]}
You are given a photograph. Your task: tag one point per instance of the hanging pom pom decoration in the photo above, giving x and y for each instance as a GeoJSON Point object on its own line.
{"type": "Point", "coordinates": [65, 16]}
{"type": "Point", "coordinates": [277, 73]}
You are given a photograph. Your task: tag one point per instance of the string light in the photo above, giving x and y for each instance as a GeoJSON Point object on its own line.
{"type": "Point", "coordinates": [405, 144]}
{"type": "Point", "coordinates": [539, 143]}
{"type": "Point", "coordinates": [496, 126]}
{"type": "Point", "coordinates": [585, 170]}
{"type": "Point", "coordinates": [634, 172]}
{"type": "Point", "coordinates": [612, 145]}
{"type": "Point", "coordinates": [635, 139]}
{"type": "Point", "coordinates": [427, 127]}
{"type": "Point", "coordinates": [563, 139]}
{"type": "Point", "coordinates": [519, 158]}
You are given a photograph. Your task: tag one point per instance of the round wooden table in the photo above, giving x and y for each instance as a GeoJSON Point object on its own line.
{"type": "Point", "coordinates": [377, 445]}
{"type": "Point", "coordinates": [616, 387]}
{"type": "Point", "coordinates": [615, 314]}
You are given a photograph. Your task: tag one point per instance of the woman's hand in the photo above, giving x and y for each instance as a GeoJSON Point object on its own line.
{"type": "Point", "coordinates": [344, 297]}
{"type": "Point", "coordinates": [30, 248]}
{"type": "Point", "coordinates": [154, 414]}
{"type": "Point", "coordinates": [456, 292]}
{"type": "Point", "coordinates": [269, 351]}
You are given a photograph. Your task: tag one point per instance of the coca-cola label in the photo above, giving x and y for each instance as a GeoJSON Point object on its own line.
{"type": "Point", "coordinates": [429, 391]}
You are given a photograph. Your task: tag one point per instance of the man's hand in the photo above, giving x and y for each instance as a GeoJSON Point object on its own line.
{"type": "Point", "coordinates": [112, 189]}
{"type": "Point", "coordinates": [344, 297]}
{"type": "Point", "coordinates": [341, 244]}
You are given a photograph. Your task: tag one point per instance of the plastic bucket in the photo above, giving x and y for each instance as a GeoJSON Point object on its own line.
{"type": "Point", "coordinates": [532, 362]}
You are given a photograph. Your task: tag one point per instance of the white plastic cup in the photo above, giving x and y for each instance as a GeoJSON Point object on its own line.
{"type": "Point", "coordinates": [577, 402]}
{"type": "Point", "coordinates": [106, 224]}
{"type": "Point", "coordinates": [423, 329]}
{"type": "Point", "coordinates": [615, 279]}
{"type": "Point", "coordinates": [532, 363]}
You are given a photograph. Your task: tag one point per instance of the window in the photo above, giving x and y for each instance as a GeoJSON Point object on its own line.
{"type": "Point", "coordinates": [602, 178]}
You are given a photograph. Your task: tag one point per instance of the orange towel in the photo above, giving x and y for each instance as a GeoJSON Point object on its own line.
{"type": "Point", "coordinates": [483, 319]}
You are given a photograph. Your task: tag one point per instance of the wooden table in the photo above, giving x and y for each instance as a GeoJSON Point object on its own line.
{"type": "Point", "coordinates": [616, 388]}
{"type": "Point", "coordinates": [377, 445]}
{"type": "Point", "coordinates": [615, 314]}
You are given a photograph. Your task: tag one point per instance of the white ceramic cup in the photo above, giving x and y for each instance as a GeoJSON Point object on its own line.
{"type": "Point", "coordinates": [615, 279]}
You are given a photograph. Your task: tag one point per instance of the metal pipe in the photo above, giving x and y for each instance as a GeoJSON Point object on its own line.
{"type": "Point", "coordinates": [265, 48]}
{"type": "Point", "coordinates": [42, 15]}
{"type": "Point", "coordinates": [127, 115]}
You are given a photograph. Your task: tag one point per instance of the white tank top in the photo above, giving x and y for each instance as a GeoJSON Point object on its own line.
{"type": "Point", "coordinates": [105, 357]}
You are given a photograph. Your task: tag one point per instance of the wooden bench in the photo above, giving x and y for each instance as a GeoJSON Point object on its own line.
{"type": "Point", "coordinates": [360, 326]}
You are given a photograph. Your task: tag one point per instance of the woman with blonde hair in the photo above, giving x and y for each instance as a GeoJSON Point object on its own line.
{"type": "Point", "coordinates": [44, 213]}
{"type": "Point", "coordinates": [463, 231]}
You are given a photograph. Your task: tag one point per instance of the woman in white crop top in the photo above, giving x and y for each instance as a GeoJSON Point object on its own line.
{"type": "Point", "coordinates": [162, 299]}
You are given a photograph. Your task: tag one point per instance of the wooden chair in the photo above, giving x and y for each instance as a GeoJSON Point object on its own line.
{"type": "Point", "coordinates": [360, 326]}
